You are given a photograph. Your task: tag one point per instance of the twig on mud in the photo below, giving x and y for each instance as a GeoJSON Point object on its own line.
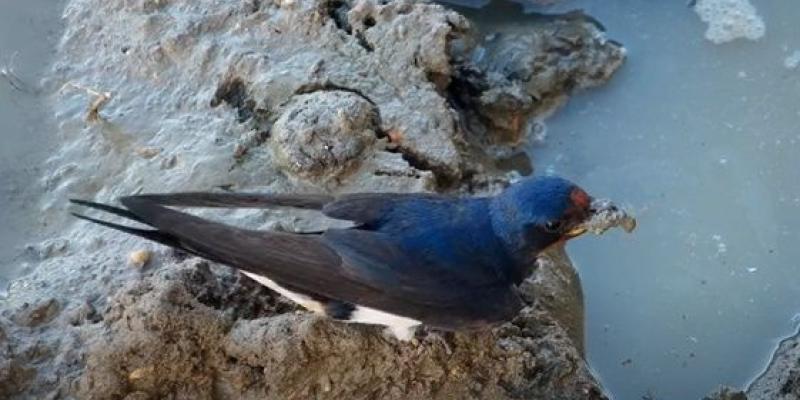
{"type": "Point", "coordinates": [7, 71]}
{"type": "Point", "coordinates": [99, 99]}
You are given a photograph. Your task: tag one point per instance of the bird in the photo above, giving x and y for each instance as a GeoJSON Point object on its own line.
{"type": "Point", "coordinates": [446, 262]}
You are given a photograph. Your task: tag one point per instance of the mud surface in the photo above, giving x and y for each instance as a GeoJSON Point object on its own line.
{"type": "Point", "coordinates": [282, 96]}
{"type": "Point", "coordinates": [781, 379]}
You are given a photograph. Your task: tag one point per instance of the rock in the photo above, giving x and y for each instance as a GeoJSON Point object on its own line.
{"type": "Point", "coordinates": [324, 132]}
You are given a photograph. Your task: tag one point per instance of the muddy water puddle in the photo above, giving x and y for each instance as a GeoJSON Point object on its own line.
{"type": "Point", "coordinates": [29, 31]}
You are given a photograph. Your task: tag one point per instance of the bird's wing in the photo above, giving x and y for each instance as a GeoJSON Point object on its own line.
{"type": "Point", "coordinates": [365, 208]}
{"type": "Point", "coordinates": [356, 207]}
{"type": "Point", "coordinates": [237, 200]}
{"type": "Point", "coordinates": [361, 267]}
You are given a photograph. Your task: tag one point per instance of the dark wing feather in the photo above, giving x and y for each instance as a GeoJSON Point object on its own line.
{"type": "Point", "coordinates": [369, 207]}
{"type": "Point", "coordinates": [301, 261]}
{"type": "Point", "coordinates": [375, 257]}
{"type": "Point", "coordinates": [356, 207]}
{"type": "Point", "coordinates": [237, 200]}
{"type": "Point", "coordinates": [150, 234]}
{"type": "Point", "coordinates": [444, 296]}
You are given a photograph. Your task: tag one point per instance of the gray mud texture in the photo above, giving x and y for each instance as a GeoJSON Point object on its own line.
{"type": "Point", "coordinates": [781, 380]}
{"type": "Point", "coordinates": [308, 96]}
{"type": "Point", "coordinates": [513, 74]}
{"type": "Point", "coordinates": [725, 393]}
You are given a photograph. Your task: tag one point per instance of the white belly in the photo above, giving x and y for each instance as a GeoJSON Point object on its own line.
{"type": "Point", "coordinates": [305, 301]}
{"type": "Point", "coordinates": [401, 327]}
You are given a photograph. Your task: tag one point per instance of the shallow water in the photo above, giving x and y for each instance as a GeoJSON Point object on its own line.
{"type": "Point", "coordinates": [29, 30]}
{"type": "Point", "coordinates": [702, 141]}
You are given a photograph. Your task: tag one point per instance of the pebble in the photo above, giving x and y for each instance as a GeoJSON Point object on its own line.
{"type": "Point", "coordinates": [139, 258]}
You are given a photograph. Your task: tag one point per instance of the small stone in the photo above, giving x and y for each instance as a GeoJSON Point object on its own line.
{"type": "Point", "coordinates": [139, 258]}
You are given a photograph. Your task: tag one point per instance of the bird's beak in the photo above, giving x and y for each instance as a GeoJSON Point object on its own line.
{"type": "Point", "coordinates": [576, 231]}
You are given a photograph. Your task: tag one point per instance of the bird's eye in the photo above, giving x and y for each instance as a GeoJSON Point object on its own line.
{"type": "Point", "coordinates": [552, 226]}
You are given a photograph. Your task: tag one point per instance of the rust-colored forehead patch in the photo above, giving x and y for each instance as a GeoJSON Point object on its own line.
{"type": "Point", "coordinates": [580, 198]}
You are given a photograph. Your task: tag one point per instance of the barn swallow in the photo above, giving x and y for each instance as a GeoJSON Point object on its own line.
{"type": "Point", "coordinates": [450, 263]}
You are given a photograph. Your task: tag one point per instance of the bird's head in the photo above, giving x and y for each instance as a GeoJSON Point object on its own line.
{"type": "Point", "coordinates": [537, 212]}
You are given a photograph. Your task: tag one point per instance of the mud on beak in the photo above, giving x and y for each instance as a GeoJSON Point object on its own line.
{"type": "Point", "coordinates": [603, 215]}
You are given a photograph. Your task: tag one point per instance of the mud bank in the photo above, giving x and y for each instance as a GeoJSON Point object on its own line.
{"type": "Point", "coordinates": [780, 381]}
{"type": "Point", "coordinates": [282, 96]}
